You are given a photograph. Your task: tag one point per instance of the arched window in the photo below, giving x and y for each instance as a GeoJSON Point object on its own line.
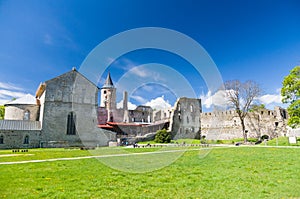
{"type": "Point", "coordinates": [26, 115]}
{"type": "Point", "coordinates": [26, 139]}
{"type": "Point", "coordinates": [1, 139]}
{"type": "Point", "coordinates": [71, 128]}
{"type": "Point", "coordinates": [192, 108]}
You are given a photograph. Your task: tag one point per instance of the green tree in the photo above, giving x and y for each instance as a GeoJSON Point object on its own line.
{"type": "Point", "coordinates": [2, 112]}
{"type": "Point", "coordinates": [290, 93]}
{"type": "Point", "coordinates": [257, 107]}
{"type": "Point", "coordinates": [163, 136]}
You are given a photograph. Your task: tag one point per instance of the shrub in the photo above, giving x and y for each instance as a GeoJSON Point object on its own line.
{"type": "Point", "coordinates": [163, 136]}
{"type": "Point", "coordinates": [265, 137]}
{"type": "Point", "coordinates": [252, 139]}
{"type": "Point", "coordinates": [219, 141]}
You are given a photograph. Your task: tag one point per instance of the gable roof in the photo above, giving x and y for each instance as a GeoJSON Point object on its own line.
{"type": "Point", "coordinates": [72, 71]}
{"type": "Point", "coordinates": [26, 99]}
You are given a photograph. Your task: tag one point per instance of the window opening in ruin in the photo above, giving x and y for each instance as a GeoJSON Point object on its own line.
{"type": "Point", "coordinates": [104, 92]}
{"type": "Point", "coordinates": [192, 108]}
{"type": "Point", "coordinates": [26, 115]}
{"type": "Point", "coordinates": [179, 108]}
{"type": "Point", "coordinates": [71, 128]}
{"type": "Point", "coordinates": [187, 119]}
{"type": "Point", "coordinates": [1, 139]}
{"type": "Point", "coordinates": [26, 139]}
{"type": "Point", "coordinates": [262, 112]}
{"type": "Point", "coordinates": [283, 114]}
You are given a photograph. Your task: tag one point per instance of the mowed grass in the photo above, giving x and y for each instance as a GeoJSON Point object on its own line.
{"type": "Point", "coordinates": [236, 172]}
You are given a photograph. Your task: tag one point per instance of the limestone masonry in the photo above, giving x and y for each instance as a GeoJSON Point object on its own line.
{"type": "Point", "coordinates": [65, 113]}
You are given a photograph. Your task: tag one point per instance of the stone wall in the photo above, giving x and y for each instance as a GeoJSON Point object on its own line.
{"type": "Point", "coordinates": [220, 125]}
{"type": "Point", "coordinates": [72, 93]}
{"type": "Point", "coordinates": [185, 119]}
{"type": "Point", "coordinates": [17, 112]}
{"type": "Point", "coordinates": [15, 139]}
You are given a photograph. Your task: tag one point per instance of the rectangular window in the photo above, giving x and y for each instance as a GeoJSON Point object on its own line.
{"type": "Point", "coordinates": [1, 139]}
{"type": "Point", "coordinates": [71, 128]}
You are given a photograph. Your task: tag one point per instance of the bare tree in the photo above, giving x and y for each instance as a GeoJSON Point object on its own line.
{"type": "Point", "coordinates": [240, 96]}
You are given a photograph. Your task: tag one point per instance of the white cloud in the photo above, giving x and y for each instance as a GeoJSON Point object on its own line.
{"type": "Point", "coordinates": [12, 94]}
{"type": "Point", "coordinates": [270, 99]}
{"type": "Point", "coordinates": [130, 105]}
{"type": "Point", "coordinates": [217, 99]}
{"type": "Point", "coordinates": [9, 86]}
{"type": "Point", "coordinates": [140, 72]}
{"type": "Point", "coordinates": [9, 91]}
{"type": "Point", "coordinates": [159, 103]}
{"type": "Point", "coordinates": [122, 63]}
{"type": "Point", "coordinates": [139, 99]}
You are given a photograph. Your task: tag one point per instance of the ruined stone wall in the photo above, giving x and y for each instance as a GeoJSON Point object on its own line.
{"type": "Point", "coordinates": [161, 115]}
{"type": "Point", "coordinates": [139, 130]}
{"type": "Point", "coordinates": [221, 125]}
{"type": "Point", "coordinates": [141, 114]}
{"type": "Point", "coordinates": [17, 111]}
{"type": "Point", "coordinates": [185, 121]}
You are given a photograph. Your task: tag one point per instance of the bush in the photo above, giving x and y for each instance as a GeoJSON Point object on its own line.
{"type": "Point", "coordinates": [162, 136]}
{"type": "Point", "coordinates": [265, 137]}
{"type": "Point", "coordinates": [219, 141]}
{"type": "Point", "coordinates": [252, 139]}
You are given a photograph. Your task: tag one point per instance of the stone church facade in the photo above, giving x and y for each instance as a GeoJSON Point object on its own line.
{"type": "Point", "coordinates": [63, 113]}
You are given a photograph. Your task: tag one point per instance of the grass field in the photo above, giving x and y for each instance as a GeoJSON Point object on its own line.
{"type": "Point", "coordinates": [234, 172]}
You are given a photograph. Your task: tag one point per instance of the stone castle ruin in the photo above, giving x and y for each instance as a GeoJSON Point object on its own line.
{"type": "Point", "coordinates": [64, 112]}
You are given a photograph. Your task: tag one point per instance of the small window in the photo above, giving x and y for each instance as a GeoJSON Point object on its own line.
{"type": "Point", "coordinates": [104, 92]}
{"type": "Point", "coordinates": [1, 139]}
{"type": "Point", "coordinates": [192, 108]}
{"type": "Point", "coordinates": [26, 139]}
{"type": "Point", "coordinates": [71, 128]}
{"type": "Point", "coordinates": [26, 115]}
{"type": "Point", "coordinates": [187, 119]}
{"type": "Point", "coordinates": [179, 108]}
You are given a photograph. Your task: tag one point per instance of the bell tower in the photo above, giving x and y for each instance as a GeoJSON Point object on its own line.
{"type": "Point", "coordinates": [108, 98]}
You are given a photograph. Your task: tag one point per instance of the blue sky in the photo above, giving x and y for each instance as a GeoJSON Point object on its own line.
{"type": "Point", "coordinates": [247, 40]}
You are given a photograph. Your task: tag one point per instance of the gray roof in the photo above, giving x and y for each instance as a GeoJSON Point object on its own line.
{"type": "Point", "coordinates": [19, 125]}
{"type": "Point", "coordinates": [26, 99]}
{"type": "Point", "coordinates": [108, 82]}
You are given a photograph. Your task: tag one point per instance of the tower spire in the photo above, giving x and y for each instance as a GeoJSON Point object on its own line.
{"type": "Point", "coordinates": [108, 82]}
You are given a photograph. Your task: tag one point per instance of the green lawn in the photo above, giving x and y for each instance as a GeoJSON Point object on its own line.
{"type": "Point", "coordinates": [236, 172]}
